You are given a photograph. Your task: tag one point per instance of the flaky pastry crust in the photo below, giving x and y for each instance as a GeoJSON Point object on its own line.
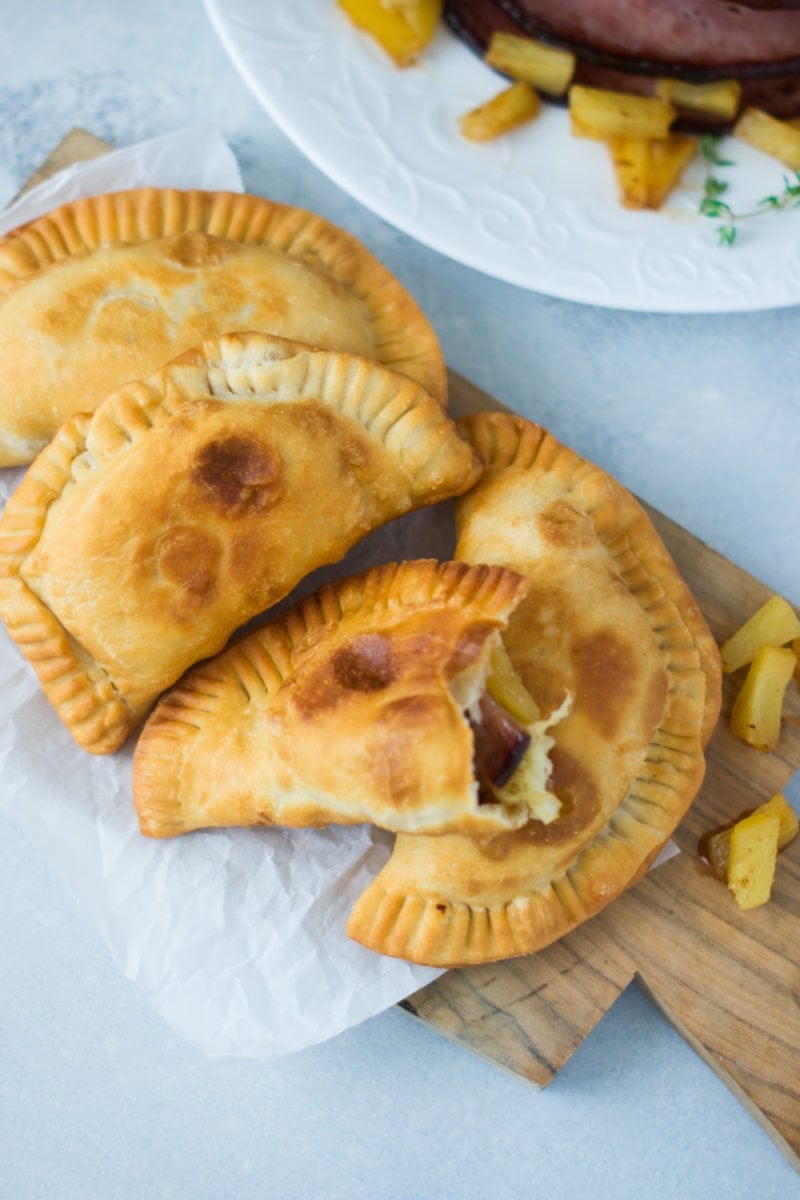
{"type": "Point", "coordinates": [143, 536]}
{"type": "Point", "coordinates": [107, 289]}
{"type": "Point", "coordinates": [608, 618]}
{"type": "Point", "coordinates": [349, 708]}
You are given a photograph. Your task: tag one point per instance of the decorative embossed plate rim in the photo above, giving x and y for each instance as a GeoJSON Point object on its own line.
{"type": "Point", "coordinates": [537, 209]}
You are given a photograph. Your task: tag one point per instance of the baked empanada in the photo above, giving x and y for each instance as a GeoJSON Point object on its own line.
{"type": "Point", "coordinates": [363, 703]}
{"type": "Point", "coordinates": [143, 536]}
{"type": "Point", "coordinates": [608, 619]}
{"type": "Point", "coordinates": [107, 289]}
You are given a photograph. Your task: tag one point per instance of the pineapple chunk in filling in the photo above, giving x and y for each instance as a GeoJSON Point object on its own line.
{"type": "Point", "coordinates": [512, 744]}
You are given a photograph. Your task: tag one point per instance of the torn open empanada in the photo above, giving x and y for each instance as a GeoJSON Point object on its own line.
{"type": "Point", "coordinates": [107, 289]}
{"type": "Point", "coordinates": [607, 619]}
{"type": "Point", "coordinates": [143, 536]}
{"type": "Point", "coordinates": [366, 702]}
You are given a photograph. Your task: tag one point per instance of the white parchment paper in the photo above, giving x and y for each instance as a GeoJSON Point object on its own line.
{"type": "Point", "coordinates": [196, 157]}
{"type": "Point", "coordinates": [236, 936]}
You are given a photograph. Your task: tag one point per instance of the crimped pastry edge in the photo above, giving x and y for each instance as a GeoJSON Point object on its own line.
{"type": "Point", "coordinates": [404, 338]}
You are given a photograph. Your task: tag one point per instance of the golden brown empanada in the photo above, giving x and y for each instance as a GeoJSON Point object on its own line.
{"type": "Point", "coordinates": [143, 536]}
{"type": "Point", "coordinates": [608, 618]}
{"type": "Point", "coordinates": [360, 704]}
{"type": "Point", "coordinates": [107, 289]}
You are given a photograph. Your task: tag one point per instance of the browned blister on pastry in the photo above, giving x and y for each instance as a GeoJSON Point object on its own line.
{"type": "Point", "coordinates": [107, 289]}
{"type": "Point", "coordinates": [608, 620]}
{"type": "Point", "coordinates": [361, 704]}
{"type": "Point", "coordinates": [143, 536]}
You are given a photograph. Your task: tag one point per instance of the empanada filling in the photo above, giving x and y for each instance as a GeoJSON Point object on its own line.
{"type": "Point", "coordinates": [499, 745]}
{"type": "Point", "coordinates": [511, 745]}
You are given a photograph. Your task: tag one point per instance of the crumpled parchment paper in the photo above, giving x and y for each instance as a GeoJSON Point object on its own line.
{"type": "Point", "coordinates": [236, 936]}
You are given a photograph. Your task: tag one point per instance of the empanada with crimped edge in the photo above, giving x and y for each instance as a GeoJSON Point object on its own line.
{"type": "Point", "coordinates": [106, 289]}
{"type": "Point", "coordinates": [608, 618]}
{"type": "Point", "coordinates": [143, 536]}
{"type": "Point", "coordinates": [352, 707]}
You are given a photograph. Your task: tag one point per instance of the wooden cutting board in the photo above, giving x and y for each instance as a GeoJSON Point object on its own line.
{"type": "Point", "coordinates": [729, 981]}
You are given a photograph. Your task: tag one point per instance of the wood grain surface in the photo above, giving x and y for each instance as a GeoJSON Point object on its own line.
{"type": "Point", "coordinates": [76, 146]}
{"type": "Point", "coordinates": [729, 981]}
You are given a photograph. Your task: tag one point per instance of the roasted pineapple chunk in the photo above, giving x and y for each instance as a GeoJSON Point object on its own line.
{"type": "Point", "coordinates": [505, 686]}
{"type": "Point", "coordinates": [753, 854]}
{"type": "Point", "coordinates": [774, 624]}
{"type": "Point", "coordinates": [780, 139]}
{"type": "Point", "coordinates": [715, 847]}
{"type": "Point", "coordinates": [545, 67]}
{"type": "Point", "coordinates": [402, 29]}
{"type": "Point", "coordinates": [600, 114]}
{"type": "Point", "coordinates": [647, 170]}
{"type": "Point", "coordinates": [789, 824]}
{"type": "Point", "coordinates": [412, 10]}
{"type": "Point", "coordinates": [756, 713]}
{"type": "Point", "coordinates": [721, 98]}
{"type": "Point", "coordinates": [513, 106]}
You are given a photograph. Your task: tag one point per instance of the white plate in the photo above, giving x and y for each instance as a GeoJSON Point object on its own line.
{"type": "Point", "coordinates": [537, 208]}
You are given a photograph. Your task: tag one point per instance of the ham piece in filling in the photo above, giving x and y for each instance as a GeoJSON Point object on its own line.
{"type": "Point", "coordinates": [499, 746]}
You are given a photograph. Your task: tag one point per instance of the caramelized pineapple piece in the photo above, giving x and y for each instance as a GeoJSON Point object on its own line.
{"type": "Point", "coordinates": [774, 624]}
{"type": "Point", "coordinates": [513, 106]}
{"type": "Point", "coordinates": [505, 686]}
{"type": "Point", "coordinates": [753, 854]}
{"type": "Point", "coordinates": [647, 170]}
{"type": "Point", "coordinates": [715, 847]}
{"type": "Point", "coordinates": [546, 68]}
{"type": "Point", "coordinates": [756, 713]}
{"type": "Point", "coordinates": [777, 138]}
{"type": "Point", "coordinates": [420, 16]}
{"type": "Point", "coordinates": [600, 114]}
{"type": "Point", "coordinates": [789, 824]}
{"type": "Point", "coordinates": [403, 29]}
{"type": "Point", "coordinates": [721, 98]}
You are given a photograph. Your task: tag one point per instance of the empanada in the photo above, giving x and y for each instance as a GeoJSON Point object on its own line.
{"type": "Point", "coordinates": [143, 536]}
{"type": "Point", "coordinates": [608, 619]}
{"type": "Point", "coordinates": [363, 703]}
{"type": "Point", "coordinates": [107, 289]}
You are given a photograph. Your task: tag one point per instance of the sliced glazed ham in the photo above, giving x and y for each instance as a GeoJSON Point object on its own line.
{"type": "Point", "coordinates": [704, 33]}
{"type": "Point", "coordinates": [610, 60]}
{"type": "Point", "coordinates": [773, 4]}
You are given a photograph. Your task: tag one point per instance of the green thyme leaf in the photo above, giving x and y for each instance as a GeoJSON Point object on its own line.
{"type": "Point", "coordinates": [716, 187]}
{"type": "Point", "coordinates": [712, 206]}
{"type": "Point", "coordinates": [709, 149]}
{"type": "Point", "coordinates": [715, 208]}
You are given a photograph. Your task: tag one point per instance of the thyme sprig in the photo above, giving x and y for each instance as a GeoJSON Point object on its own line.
{"type": "Point", "coordinates": [712, 205]}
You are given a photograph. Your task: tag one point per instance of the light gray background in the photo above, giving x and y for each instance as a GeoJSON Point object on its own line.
{"type": "Point", "coordinates": [99, 1099]}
